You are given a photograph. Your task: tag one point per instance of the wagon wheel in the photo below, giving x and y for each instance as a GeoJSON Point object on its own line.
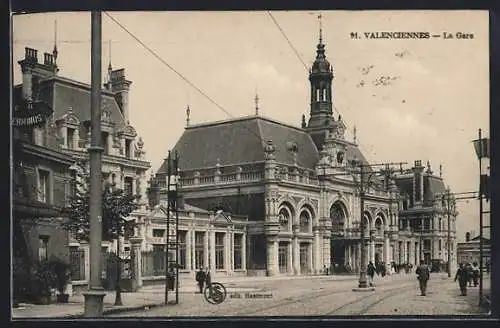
{"type": "Point", "coordinates": [215, 293]}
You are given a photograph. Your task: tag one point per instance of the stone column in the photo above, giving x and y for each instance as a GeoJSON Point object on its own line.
{"type": "Point", "coordinates": [358, 257]}
{"type": "Point", "coordinates": [206, 249]}
{"type": "Point", "coordinates": [244, 251]}
{"type": "Point", "coordinates": [192, 250]}
{"type": "Point", "coordinates": [189, 246]}
{"type": "Point", "coordinates": [272, 258]}
{"type": "Point", "coordinates": [316, 253]}
{"type": "Point", "coordinates": [387, 255]}
{"type": "Point", "coordinates": [295, 255]}
{"type": "Point", "coordinates": [412, 253]}
{"type": "Point", "coordinates": [310, 258]}
{"type": "Point", "coordinates": [289, 260]}
{"type": "Point", "coordinates": [136, 261]}
{"type": "Point", "coordinates": [212, 252]}
{"type": "Point", "coordinates": [64, 133]}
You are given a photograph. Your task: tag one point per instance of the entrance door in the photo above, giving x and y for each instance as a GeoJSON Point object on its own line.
{"type": "Point", "coordinates": [337, 253]}
{"type": "Point", "coordinates": [282, 257]}
{"type": "Point", "coordinates": [304, 259]}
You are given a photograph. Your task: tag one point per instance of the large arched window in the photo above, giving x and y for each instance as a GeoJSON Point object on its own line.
{"type": "Point", "coordinates": [305, 221]}
{"type": "Point", "coordinates": [338, 215]}
{"type": "Point", "coordinates": [367, 223]}
{"type": "Point", "coordinates": [285, 215]}
{"type": "Point", "coordinates": [379, 226]}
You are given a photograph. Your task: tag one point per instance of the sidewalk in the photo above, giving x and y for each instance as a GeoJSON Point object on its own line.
{"type": "Point", "coordinates": [154, 295]}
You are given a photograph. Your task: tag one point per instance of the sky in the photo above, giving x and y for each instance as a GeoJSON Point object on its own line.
{"type": "Point", "coordinates": [437, 98]}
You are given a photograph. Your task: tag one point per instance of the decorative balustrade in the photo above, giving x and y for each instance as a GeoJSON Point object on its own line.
{"type": "Point", "coordinates": [225, 178]}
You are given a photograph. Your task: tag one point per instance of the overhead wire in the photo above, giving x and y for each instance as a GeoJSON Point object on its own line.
{"type": "Point", "coordinates": [303, 63]}
{"type": "Point", "coordinates": [185, 79]}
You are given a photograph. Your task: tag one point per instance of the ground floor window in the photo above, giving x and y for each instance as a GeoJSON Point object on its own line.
{"type": "Point", "coordinates": [283, 257]}
{"type": "Point", "coordinates": [304, 258]}
{"type": "Point", "coordinates": [182, 249]}
{"type": "Point", "coordinates": [219, 250]}
{"type": "Point", "coordinates": [238, 251]}
{"type": "Point", "coordinates": [199, 252]}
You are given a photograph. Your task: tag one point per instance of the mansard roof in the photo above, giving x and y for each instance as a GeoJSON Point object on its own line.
{"type": "Point", "coordinates": [242, 140]}
{"type": "Point", "coordinates": [62, 93]}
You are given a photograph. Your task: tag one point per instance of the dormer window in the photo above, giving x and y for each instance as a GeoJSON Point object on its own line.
{"type": "Point", "coordinates": [105, 144]}
{"type": "Point", "coordinates": [70, 140]}
{"type": "Point", "coordinates": [128, 144]}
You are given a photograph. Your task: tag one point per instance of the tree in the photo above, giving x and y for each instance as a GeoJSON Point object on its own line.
{"type": "Point", "coordinates": [116, 207]}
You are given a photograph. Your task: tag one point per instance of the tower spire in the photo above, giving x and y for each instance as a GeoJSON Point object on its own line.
{"type": "Point", "coordinates": [188, 112]}
{"type": "Point", "coordinates": [54, 51]}
{"type": "Point", "coordinates": [320, 16]}
{"type": "Point", "coordinates": [354, 134]}
{"type": "Point", "coordinates": [256, 99]}
{"type": "Point", "coordinates": [110, 68]}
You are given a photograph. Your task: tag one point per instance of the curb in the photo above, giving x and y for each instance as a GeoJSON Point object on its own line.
{"type": "Point", "coordinates": [114, 311]}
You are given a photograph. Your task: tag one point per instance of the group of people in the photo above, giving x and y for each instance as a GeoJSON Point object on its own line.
{"type": "Point", "coordinates": [203, 278]}
{"type": "Point", "coordinates": [467, 274]}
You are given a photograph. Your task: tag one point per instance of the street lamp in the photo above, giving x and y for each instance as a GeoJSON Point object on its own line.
{"type": "Point", "coordinates": [482, 148]}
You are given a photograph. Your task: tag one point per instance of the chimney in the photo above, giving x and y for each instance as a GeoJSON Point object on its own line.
{"type": "Point", "coordinates": [120, 87]}
{"type": "Point", "coordinates": [418, 182]}
{"type": "Point", "coordinates": [27, 66]}
{"type": "Point", "coordinates": [467, 236]}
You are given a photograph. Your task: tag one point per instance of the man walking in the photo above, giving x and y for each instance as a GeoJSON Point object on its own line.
{"type": "Point", "coordinates": [463, 278]}
{"type": "Point", "coordinates": [370, 270]}
{"type": "Point", "coordinates": [423, 275]}
{"type": "Point", "coordinates": [200, 279]}
{"type": "Point", "coordinates": [475, 274]}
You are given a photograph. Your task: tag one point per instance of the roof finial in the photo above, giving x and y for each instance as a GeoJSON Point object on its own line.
{"type": "Point", "coordinates": [188, 112]}
{"type": "Point", "coordinates": [54, 51]}
{"type": "Point", "coordinates": [354, 134]}
{"type": "Point", "coordinates": [320, 16]}
{"type": "Point", "coordinates": [110, 68]}
{"type": "Point", "coordinates": [440, 170]}
{"type": "Point", "coordinates": [256, 99]}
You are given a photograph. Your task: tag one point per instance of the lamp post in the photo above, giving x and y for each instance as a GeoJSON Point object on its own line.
{"type": "Point", "coordinates": [94, 296]}
{"type": "Point", "coordinates": [481, 147]}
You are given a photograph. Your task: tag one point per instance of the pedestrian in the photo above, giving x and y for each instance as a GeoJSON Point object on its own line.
{"type": "Point", "coordinates": [470, 273]}
{"type": "Point", "coordinates": [208, 279]}
{"type": "Point", "coordinates": [423, 275]}
{"type": "Point", "coordinates": [475, 274]}
{"type": "Point", "coordinates": [370, 270]}
{"type": "Point", "coordinates": [463, 277]}
{"type": "Point", "coordinates": [200, 279]}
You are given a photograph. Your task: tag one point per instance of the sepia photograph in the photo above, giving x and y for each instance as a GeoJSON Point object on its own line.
{"type": "Point", "coordinates": [193, 164]}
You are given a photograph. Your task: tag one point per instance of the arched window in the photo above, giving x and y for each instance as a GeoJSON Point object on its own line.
{"type": "Point", "coordinates": [284, 217]}
{"type": "Point", "coordinates": [379, 226]}
{"type": "Point", "coordinates": [324, 94]}
{"type": "Point", "coordinates": [338, 216]}
{"type": "Point", "coordinates": [317, 95]}
{"type": "Point", "coordinates": [304, 220]}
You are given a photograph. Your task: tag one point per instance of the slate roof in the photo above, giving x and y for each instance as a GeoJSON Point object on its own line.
{"type": "Point", "coordinates": [432, 187]}
{"type": "Point", "coordinates": [242, 140]}
{"type": "Point", "coordinates": [62, 93]}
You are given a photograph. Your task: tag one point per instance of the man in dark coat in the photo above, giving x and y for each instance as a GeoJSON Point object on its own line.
{"type": "Point", "coordinates": [370, 271]}
{"type": "Point", "coordinates": [423, 275]}
{"type": "Point", "coordinates": [200, 279]}
{"type": "Point", "coordinates": [463, 278]}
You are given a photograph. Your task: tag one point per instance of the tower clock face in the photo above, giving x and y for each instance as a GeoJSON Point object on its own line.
{"type": "Point", "coordinates": [340, 129]}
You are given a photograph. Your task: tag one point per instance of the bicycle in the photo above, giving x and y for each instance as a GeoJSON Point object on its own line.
{"type": "Point", "coordinates": [215, 293]}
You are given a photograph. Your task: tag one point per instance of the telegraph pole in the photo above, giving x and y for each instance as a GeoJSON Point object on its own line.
{"type": "Point", "coordinates": [94, 296]}
{"type": "Point", "coordinates": [448, 200]}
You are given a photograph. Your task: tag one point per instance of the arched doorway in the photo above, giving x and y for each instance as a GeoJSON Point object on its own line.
{"type": "Point", "coordinates": [338, 215]}
{"type": "Point", "coordinates": [378, 240]}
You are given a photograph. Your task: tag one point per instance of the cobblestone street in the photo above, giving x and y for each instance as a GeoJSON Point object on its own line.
{"type": "Point", "coordinates": [394, 295]}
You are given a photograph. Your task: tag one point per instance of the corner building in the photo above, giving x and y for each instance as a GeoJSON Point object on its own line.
{"type": "Point", "coordinates": [293, 184]}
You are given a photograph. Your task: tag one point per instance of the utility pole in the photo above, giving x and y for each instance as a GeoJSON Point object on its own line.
{"type": "Point", "coordinates": [362, 274]}
{"type": "Point", "coordinates": [94, 296]}
{"type": "Point", "coordinates": [448, 202]}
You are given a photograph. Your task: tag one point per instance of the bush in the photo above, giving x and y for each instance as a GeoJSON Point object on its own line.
{"type": "Point", "coordinates": [21, 280]}
{"type": "Point", "coordinates": [61, 270]}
